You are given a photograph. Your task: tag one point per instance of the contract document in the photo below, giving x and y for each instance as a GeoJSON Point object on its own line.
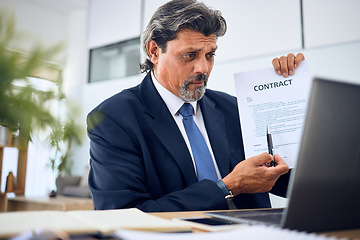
{"type": "Point", "coordinates": [266, 99]}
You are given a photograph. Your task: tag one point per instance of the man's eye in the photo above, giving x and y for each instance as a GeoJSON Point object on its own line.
{"type": "Point", "coordinates": [189, 55]}
{"type": "Point", "coordinates": [211, 55]}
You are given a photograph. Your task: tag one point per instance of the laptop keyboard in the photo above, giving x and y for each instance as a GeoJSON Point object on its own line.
{"type": "Point", "coordinates": [268, 216]}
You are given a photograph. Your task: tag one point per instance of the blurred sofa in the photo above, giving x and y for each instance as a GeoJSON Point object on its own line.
{"type": "Point", "coordinates": [75, 186]}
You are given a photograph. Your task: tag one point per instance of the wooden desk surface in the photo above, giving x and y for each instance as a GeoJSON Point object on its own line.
{"type": "Point", "coordinates": [349, 234]}
{"type": "Point", "coordinates": [61, 203]}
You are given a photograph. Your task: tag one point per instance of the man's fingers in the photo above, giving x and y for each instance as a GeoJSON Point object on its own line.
{"type": "Point", "coordinates": [291, 63]}
{"type": "Point", "coordinates": [278, 159]}
{"type": "Point", "coordinates": [261, 159]}
{"type": "Point", "coordinates": [281, 166]}
{"type": "Point", "coordinates": [276, 64]}
{"type": "Point", "coordinates": [284, 66]}
{"type": "Point", "coordinates": [299, 57]}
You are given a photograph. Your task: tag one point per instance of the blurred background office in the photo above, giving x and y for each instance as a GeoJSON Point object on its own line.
{"type": "Point", "coordinates": [102, 53]}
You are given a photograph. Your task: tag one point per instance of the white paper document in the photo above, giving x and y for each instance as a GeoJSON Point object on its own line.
{"type": "Point", "coordinates": [252, 232]}
{"type": "Point", "coordinates": [266, 99]}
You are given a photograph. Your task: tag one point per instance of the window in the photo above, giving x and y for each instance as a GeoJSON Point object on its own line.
{"type": "Point", "coordinates": [115, 61]}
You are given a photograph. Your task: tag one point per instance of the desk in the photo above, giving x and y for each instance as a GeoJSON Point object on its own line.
{"type": "Point", "coordinates": [60, 203]}
{"type": "Point", "coordinates": [349, 234]}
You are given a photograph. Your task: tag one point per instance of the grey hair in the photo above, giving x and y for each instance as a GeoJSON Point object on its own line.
{"type": "Point", "coordinates": [174, 16]}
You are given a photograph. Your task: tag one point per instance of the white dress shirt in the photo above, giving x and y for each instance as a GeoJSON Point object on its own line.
{"type": "Point", "coordinates": [174, 103]}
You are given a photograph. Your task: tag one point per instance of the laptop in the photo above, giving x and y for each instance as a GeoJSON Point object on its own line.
{"type": "Point", "coordinates": [324, 188]}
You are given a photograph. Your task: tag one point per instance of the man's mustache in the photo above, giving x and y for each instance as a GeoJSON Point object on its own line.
{"type": "Point", "coordinates": [199, 77]}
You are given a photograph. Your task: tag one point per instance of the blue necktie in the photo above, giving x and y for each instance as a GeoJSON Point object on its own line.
{"type": "Point", "coordinates": [203, 161]}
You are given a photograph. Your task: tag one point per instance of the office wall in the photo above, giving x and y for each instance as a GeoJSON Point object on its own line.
{"type": "Point", "coordinates": [47, 34]}
{"type": "Point", "coordinates": [112, 21]}
{"type": "Point", "coordinates": [329, 22]}
{"type": "Point", "coordinates": [52, 22]}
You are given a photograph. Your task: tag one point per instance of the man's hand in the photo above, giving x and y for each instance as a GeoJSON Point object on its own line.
{"type": "Point", "coordinates": [254, 176]}
{"type": "Point", "coordinates": [286, 65]}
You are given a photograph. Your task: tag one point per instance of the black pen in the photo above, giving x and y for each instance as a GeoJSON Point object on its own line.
{"type": "Point", "coordinates": [270, 146]}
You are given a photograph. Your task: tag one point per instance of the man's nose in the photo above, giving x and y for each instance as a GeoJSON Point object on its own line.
{"type": "Point", "coordinates": [201, 66]}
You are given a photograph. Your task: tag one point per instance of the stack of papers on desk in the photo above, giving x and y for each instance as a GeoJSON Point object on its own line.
{"type": "Point", "coordinates": [84, 222]}
{"type": "Point", "coordinates": [252, 232]}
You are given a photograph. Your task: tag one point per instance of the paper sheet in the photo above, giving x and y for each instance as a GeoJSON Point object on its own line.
{"type": "Point", "coordinates": [83, 222]}
{"type": "Point", "coordinates": [251, 232]}
{"type": "Point", "coordinates": [266, 99]}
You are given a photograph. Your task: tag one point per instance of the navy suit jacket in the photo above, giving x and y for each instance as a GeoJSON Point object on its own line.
{"type": "Point", "coordinates": [140, 159]}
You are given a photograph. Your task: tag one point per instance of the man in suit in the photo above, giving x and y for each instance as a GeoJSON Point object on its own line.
{"type": "Point", "coordinates": [142, 151]}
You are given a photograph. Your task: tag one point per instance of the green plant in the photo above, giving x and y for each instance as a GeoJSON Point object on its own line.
{"type": "Point", "coordinates": [63, 137]}
{"type": "Point", "coordinates": [22, 105]}
{"type": "Point", "coordinates": [24, 108]}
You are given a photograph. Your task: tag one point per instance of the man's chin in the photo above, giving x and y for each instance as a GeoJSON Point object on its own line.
{"type": "Point", "coordinates": [194, 95]}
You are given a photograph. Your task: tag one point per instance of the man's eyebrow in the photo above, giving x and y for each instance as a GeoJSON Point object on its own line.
{"type": "Point", "coordinates": [200, 49]}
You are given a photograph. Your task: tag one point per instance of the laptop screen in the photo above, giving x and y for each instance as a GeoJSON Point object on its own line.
{"type": "Point", "coordinates": [324, 190]}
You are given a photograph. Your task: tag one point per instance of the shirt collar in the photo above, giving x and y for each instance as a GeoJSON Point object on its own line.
{"type": "Point", "coordinates": [172, 101]}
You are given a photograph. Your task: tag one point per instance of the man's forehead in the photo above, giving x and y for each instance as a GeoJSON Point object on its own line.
{"type": "Point", "coordinates": [190, 33]}
{"type": "Point", "coordinates": [192, 38]}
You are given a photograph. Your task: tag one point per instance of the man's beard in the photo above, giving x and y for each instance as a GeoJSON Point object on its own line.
{"type": "Point", "coordinates": [197, 93]}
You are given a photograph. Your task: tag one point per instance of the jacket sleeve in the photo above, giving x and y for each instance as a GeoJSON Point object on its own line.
{"type": "Point", "coordinates": [119, 175]}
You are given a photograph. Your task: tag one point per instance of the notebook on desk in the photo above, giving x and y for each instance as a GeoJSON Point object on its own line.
{"type": "Point", "coordinates": [324, 189]}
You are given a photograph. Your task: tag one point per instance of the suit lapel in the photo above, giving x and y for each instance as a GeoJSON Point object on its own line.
{"type": "Point", "coordinates": [166, 130]}
{"type": "Point", "coordinates": [215, 126]}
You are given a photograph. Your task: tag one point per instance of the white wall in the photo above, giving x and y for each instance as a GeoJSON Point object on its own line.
{"type": "Point", "coordinates": [47, 23]}
{"type": "Point", "coordinates": [112, 21]}
{"type": "Point", "coordinates": [30, 19]}
{"type": "Point", "coordinates": [331, 22]}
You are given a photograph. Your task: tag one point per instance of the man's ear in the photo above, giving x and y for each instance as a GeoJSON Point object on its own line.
{"type": "Point", "coordinates": [153, 51]}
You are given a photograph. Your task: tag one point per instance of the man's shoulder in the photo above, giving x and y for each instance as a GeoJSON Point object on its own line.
{"type": "Point", "coordinates": [126, 97]}
{"type": "Point", "coordinates": [122, 107]}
